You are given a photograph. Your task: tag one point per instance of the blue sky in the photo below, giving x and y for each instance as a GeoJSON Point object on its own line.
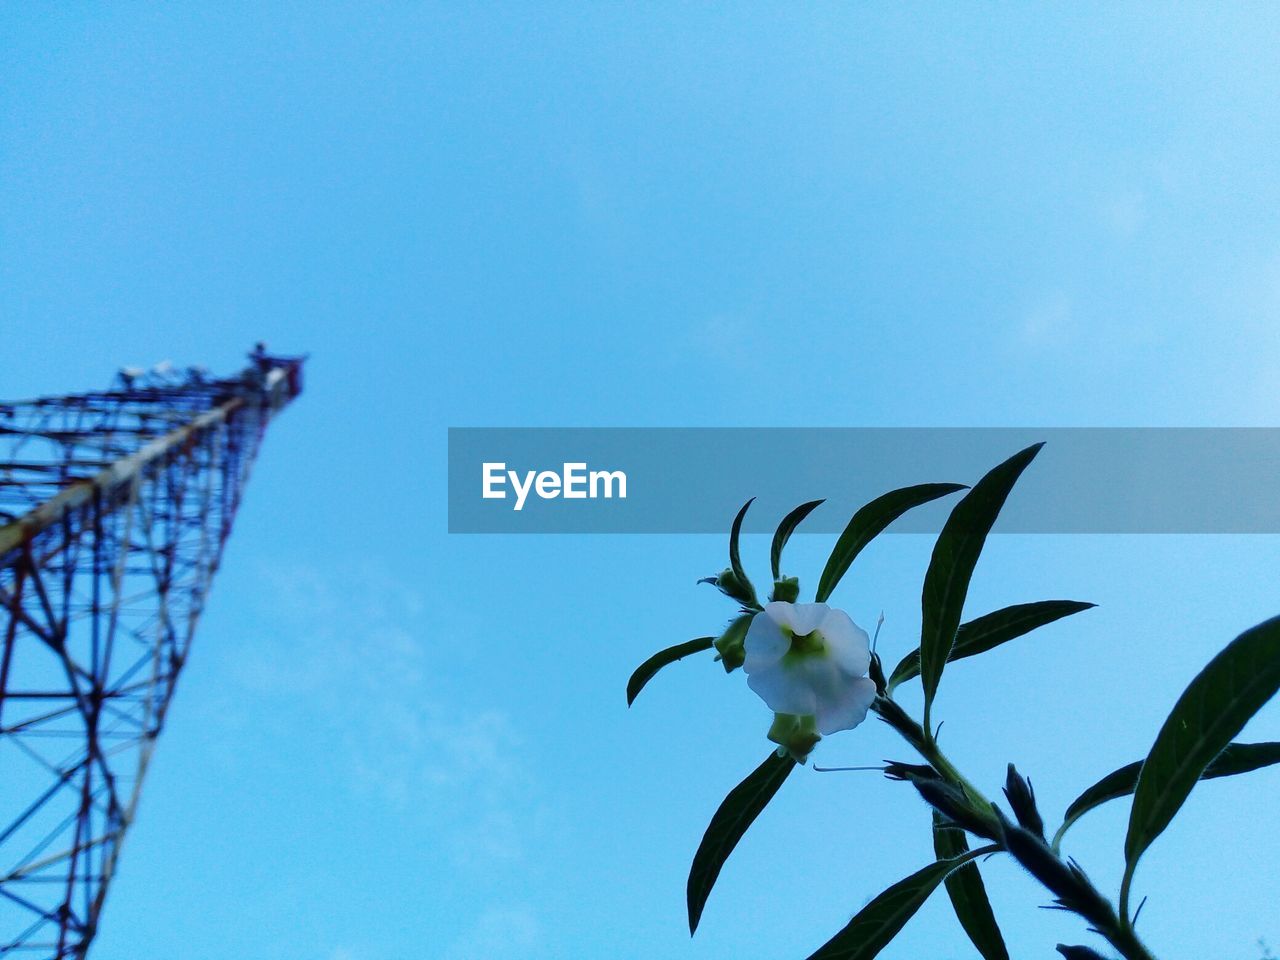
{"type": "Point", "coordinates": [391, 742]}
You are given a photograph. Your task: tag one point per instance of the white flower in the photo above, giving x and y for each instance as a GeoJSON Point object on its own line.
{"type": "Point", "coordinates": [807, 659]}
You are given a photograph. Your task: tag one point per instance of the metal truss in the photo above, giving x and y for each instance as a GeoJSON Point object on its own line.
{"type": "Point", "coordinates": [114, 510]}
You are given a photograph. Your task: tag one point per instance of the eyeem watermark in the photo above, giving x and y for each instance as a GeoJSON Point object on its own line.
{"type": "Point", "coordinates": [693, 479]}
{"type": "Point", "coordinates": [573, 482]}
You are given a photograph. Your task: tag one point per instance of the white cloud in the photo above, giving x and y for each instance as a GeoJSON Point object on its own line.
{"type": "Point", "coordinates": [348, 656]}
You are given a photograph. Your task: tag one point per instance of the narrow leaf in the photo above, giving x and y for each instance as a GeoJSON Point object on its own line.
{"type": "Point", "coordinates": [869, 522]}
{"type": "Point", "coordinates": [968, 893]}
{"type": "Point", "coordinates": [1079, 953]}
{"type": "Point", "coordinates": [1237, 758]}
{"type": "Point", "coordinates": [1212, 710]}
{"type": "Point", "coordinates": [984, 633]}
{"type": "Point", "coordinates": [735, 815]}
{"type": "Point", "coordinates": [954, 556]}
{"type": "Point", "coordinates": [644, 673]}
{"type": "Point", "coordinates": [735, 560]}
{"type": "Point", "coordinates": [880, 920]}
{"type": "Point", "coordinates": [785, 529]}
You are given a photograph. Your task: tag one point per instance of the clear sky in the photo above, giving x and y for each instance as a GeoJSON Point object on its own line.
{"type": "Point", "coordinates": [395, 743]}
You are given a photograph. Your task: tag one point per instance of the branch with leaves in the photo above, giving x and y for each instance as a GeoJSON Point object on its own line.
{"type": "Point", "coordinates": [815, 669]}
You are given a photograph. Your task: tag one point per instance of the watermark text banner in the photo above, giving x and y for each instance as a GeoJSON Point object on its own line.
{"type": "Point", "coordinates": [693, 480]}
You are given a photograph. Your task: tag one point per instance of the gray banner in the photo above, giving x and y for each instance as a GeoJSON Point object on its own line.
{"type": "Point", "coordinates": [693, 480]}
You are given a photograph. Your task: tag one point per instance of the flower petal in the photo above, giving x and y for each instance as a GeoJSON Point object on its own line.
{"type": "Point", "coordinates": [847, 710]}
{"type": "Point", "coordinates": [783, 690]}
{"type": "Point", "coordinates": [802, 618]}
{"type": "Point", "coordinates": [847, 642]}
{"type": "Point", "coordinates": [765, 643]}
{"type": "Point", "coordinates": [820, 674]}
{"type": "Point", "coordinates": [779, 611]}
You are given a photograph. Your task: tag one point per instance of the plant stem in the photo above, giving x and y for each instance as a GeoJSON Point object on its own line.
{"type": "Point", "coordinates": [1125, 883]}
{"type": "Point", "coordinates": [924, 743]}
{"type": "Point", "coordinates": [1117, 929]}
{"type": "Point", "coordinates": [1120, 934]}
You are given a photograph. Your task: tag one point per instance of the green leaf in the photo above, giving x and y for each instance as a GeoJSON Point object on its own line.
{"type": "Point", "coordinates": [880, 920]}
{"type": "Point", "coordinates": [1212, 710]}
{"type": "Point", "coordinates": [644, 673]}
{"type": "Point", "coordinates": [735, 561]}
{"type": "Point", "coordinates": [984, 633]}
{"type": "Point", "coordinates": [968, 893]}
{"type": "Point", "coordinates": [785, 529]}
{"type": "Point", "coordinates": [954, 556]}
{"type": "Point", "coordinates": [1079, 953]}
{"type": "Point", "coordinates": [735, 815]}
{"type": "Point", "coordinates": [869, 522]}
{"type": "Point", "coordinates": [1235, 759]}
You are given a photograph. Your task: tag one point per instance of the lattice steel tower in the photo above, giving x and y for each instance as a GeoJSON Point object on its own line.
{"type": "Point", "coordinates": [114, 509]}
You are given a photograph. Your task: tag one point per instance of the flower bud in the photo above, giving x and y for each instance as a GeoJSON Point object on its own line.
{"type": "Point", "coordinates": [729, 584]}
{"type": "Point", "coordinates": [876, 673]}
{"type": "Point", "coordinates": [730, 643]}
{"type": "Point", "coordinates": [1043, 864]}
{"type": "Point", "coordinates": [1064, 878]}
{"type": "Point", "coordinates": [896, 770]}
{"type": "Point", "coordinates": [952, 803]}
{"type": "Point", "coordinates": [1022, 800]}
{"type": "Point", "coordinates": [786, 590]}
{"type": "Point", "coordinates": [797, 735]}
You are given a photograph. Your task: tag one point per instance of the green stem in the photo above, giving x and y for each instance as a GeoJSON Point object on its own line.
{"type": "Point", "coordinates": [922, 740]}
{"type": "Point", "coordinates": [1116, 929]}
{"type": "Point", "coordinates": [1125, 883]}
{"type": "Point", "coordinates": [1124, 938]}
{"type": "Point", "coordinates": [1130, 947]}
{"type": "Point", "coordinates": [1056, 843]}
{"type": "Point", "coordinates": [939, 760]}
